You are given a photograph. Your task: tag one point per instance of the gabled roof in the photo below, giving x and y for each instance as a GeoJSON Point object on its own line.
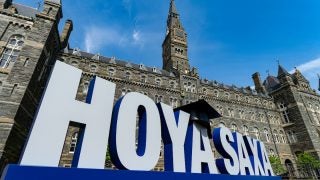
{"type": "Point", "coordinates": [282, 71]}
{"type": "Point", "coordinates": [271, 83]}
{"type": "Point", "coordinates": [25, 10]}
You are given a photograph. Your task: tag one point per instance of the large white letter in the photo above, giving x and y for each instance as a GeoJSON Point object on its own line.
{"type": "Point", "coordinates": [244, 159]}
{"type": "Point", "coordinates": [123, 133]}
{"type": "Point", "coordinates": [223, 141]}
{"type": "Point", "coordinates": [58, 108]}
{"type": "Point", "coordinates": [252, 146]}
{"type": "Point", "coordinates": [174, 128]}
{"type": "Point", "coordinates": [202, 155]}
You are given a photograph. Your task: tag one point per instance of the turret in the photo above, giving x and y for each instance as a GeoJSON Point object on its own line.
{"type": "Point", "coordinates": [258, 84]}
{"type": "Point", "coordinates": [64, 38]}
{"type": "Point", "coordinates": [4, 4]}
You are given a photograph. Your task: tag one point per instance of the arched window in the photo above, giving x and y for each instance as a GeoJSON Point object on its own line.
{"type": "Point", "coordinates": [111, 72]}
{"type": "Point", "coordinates": [127, 75]}
{"type": "Point", "coordinates": [85, 87]}
{"type": "Point", "coordinates": [216, 93]}
{"type": "Point", "coordinates": [221, 124]}
{"type": "Point", "coordinates": [158, 81]}
{"type": "Point", "coordinates": [172, 84]}
{"type": "Point", "coordinates": [93, 68]}
{"type": "Point", "coordinates": [282, 137]}
{"type": "Point", "coordinates": [276, 136]}
{"type": "Point", "coordinates": [231, 112]}
{"type": "Point", "coordinates": [74, 140]}
{"type": "Point", "coordinates": [285, 113]}
{"type": "Point", "coordinates": [11, 51]}
{"type": "Point", "coordinates": [267, 135]}
{"type": "Point", "coordinates": [241, 114]}
{"type": "Point", "coordinates": [256, 133]}
{"type": "Point", "coordinates": [143, 78]}
{"type": "Point", "coordinates": [245, 130]}
{"type": "Point", "coordinates": [234, 127]}
{"type": "Point", "coordinates": [173, 102]}
{"type": "Point", "coordinates": [74, 63]}
{"type": "Point", "coordinates": [292, 136]}
{"type": "Point", "coordinates": [271, 152]}
{"type": "Point", "coordinates": [157, 98]}
{"type": "Point", "coordinates": [226, 95]}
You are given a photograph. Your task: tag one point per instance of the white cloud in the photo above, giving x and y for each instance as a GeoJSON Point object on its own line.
{"type": "Point", "coordinates": [310, 70]}
{"type": "Point", "coordinates": [97, 38]}
{"type": "Point", "coordinates": [313, 65]}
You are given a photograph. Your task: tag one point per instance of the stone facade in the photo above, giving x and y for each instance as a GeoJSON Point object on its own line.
{"type": "Point", "coordinates": [282, 111]}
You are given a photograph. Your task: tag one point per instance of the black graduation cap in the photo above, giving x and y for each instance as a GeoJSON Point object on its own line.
{"type": "Point", "coordinates": [201, 112]}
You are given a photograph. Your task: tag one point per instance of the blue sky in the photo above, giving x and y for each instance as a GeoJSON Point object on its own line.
{"type": "Point", "coordinates": [229, 40]}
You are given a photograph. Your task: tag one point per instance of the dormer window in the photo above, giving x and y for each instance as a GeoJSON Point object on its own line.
{"type": "Point", "coordinates": [154, 69]}
{"type": "Point", "coordinates": [141, 66]}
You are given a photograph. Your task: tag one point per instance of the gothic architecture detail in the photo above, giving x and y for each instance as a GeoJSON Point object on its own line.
{"type": "Point", "coordinates": [282, 111]}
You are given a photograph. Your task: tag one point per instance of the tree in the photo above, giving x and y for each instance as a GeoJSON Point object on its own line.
{"type": "Point", "coordinates": [277, 167]}
{"type": "Point", "coordinates": [308, 163]}
{"type": "Point", "coordinates": [108, 163]}
{"type": "Point", "coordinates": [306, 159]}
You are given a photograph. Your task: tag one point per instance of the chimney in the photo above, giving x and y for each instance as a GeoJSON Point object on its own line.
{"type": "Point", "coordinates": [258, 84]}
{"type": "Point", "coordinates": [68, 27]}
{"type": "Point", "coordinates": [4, 4]}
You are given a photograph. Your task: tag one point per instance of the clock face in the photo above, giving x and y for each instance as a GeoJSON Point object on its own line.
{"type": "Point", "coordinates": [180, 33]}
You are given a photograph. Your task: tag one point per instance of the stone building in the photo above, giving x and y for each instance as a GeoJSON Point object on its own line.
{"type": "Point", "coordinates": [282, 111]}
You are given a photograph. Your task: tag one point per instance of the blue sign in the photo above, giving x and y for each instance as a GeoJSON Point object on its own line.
{"type": "Point", "coordinates": [15, 172]}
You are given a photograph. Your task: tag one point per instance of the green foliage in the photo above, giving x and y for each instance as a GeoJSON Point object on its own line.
{"type": "Point", "coordinates": [108, 162]}
{"type": "Point", "coordinates": [307, 160]}
{"type": "Point", "coordinates": [277, 167]}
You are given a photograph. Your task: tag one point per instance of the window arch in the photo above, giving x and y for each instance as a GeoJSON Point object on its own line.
{"type": "Point", "coordinates": [143, 78]}
{"type": "Point", "coordinates": [284, 111]}
{"type": "Point", "coordinates": [234, 127]}
{"type": "Point", "coordinates": [158, 81]}
{"type": "Point", "coordinates": [271, 152]}
{"type": "Point", "coordinates": [11, 51]}
{"type": "Point", "coordinates": [216, 93]}
{"type": "Point", "coordinates": [267, 135]}
{"type": "Point", "coordinates": [282, 137]}
{"type": "Point", "coordinates": [292, 136]}
{"type": "Point", "coordinates": [74, 140]}
{"type": "Point", "coordinates": [276, 136]}
{"type": "Point", "coordinates": [93, 68]}
{"type": "Point", "coordinates": [127, 75]}
{"type": "Point", "coordinates": [85, 87]}
{"type": "Point", "coordinates": [221, 124]}
{"type": "Point", "coordinates": [245, 130]}
{"type": "Point", "coordinates": [256, 133]}
{"type": "Point", "coordinates": [111, 71]}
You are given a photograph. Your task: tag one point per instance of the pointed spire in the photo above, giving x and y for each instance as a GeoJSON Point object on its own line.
{"type": "Point", "coordinates": [173, 9]}
{"type": "Point", "coordinates": [173, 17]}
{"type": "Point", "coordinates": [282, 71]}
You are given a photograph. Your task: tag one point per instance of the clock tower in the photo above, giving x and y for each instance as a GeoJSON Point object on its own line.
{"type": "Point", "coordinates": [175, 46]}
